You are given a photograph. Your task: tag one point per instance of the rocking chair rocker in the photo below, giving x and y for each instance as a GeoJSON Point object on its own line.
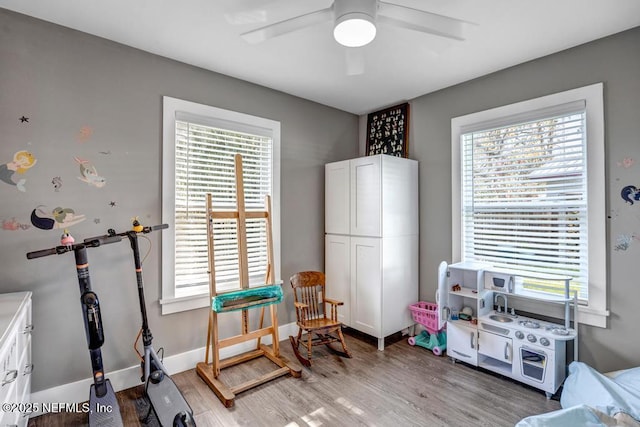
{"type": "Point", "coordinates": [311, 313]}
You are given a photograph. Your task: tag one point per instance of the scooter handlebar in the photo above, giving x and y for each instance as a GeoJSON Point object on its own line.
{"type": "Point", "coordinates": [102, 240]}
{"type": "Point", "coordinates": [41, 253]}
{"type": "Point", "coordinates": [113, 237]}
{"type": "Point", "coordinates": [91, 242]}
{"type": "Point", "coordinates": [157, 227]}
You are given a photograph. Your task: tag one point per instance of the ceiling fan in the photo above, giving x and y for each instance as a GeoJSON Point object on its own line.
{"type": "Point", "coordinates": [355, 22]}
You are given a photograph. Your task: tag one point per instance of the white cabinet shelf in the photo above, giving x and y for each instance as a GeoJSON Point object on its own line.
{"type": "Point", "coordinates": [537, 296]}
{"type": "Point", "coordinates": [503, 368]}
{"type": "Point", "coordinates": [15, 354]}
{"type": "Point", "coordinates": [467, 293]}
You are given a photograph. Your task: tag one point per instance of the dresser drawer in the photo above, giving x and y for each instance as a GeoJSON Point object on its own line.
{"type": "Point", "coordinates": [9, 372]}
{"type": "Point", "coordinates": [24, 325]}
{"type": "Point", "coordinates": [25, 368]}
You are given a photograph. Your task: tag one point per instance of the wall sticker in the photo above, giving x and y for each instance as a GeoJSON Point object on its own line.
{"type": "Point", "coordinates": [22, 161]}
{"type": "Point", "coordinates": [84, 134]}
{"type": "Point", "coordinates": [58, 218]}
{"type": "Point", "coordinates": [623, 241]}
{"type": "Point", "coordinates": [57, 183]}
{"type": "Point", "coordinates": [13, 225]}
{"type": "Point", "coordinates": [24, 119]}
{"type": "Point", "coordinates": [626, 163]}
{"type": "Point", "coordinates": [89, 173]}
{"type": "Point", "coordinates": [630, 193]}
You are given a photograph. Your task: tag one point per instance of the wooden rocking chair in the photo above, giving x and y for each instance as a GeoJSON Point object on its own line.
{"type": "Point", "coordinates": [311, 312]}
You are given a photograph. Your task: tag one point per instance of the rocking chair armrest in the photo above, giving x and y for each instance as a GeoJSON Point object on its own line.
{"type": "Point", "coordinates": [333, 301]}
{"type": "Point", "coordinates": [301, 310]}
{"type": "Point", "coordinates": [334, 308]}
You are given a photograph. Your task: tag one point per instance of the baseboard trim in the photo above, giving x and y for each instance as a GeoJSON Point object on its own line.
{"type": "Point", "coordinates": [123, 379]}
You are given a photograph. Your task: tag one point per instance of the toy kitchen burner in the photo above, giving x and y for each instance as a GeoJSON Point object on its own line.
{"type": "Point", "coordinates": [526, 349]}
{"type": "Point", "coordinates": [545, 330]}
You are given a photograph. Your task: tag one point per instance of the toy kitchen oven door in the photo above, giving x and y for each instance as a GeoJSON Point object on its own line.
{"type": "Point", "coordinates": [539, 358]}
{"type": "Point", "coordinates": [537, 367]}
{"type": "Point", "coordinates": [533, 363]}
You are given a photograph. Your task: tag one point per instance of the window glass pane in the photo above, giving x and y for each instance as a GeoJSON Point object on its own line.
{"type": "Point", "coordinates": [205, 164]}
{"type": "Point", "coordinates": [524, 201]}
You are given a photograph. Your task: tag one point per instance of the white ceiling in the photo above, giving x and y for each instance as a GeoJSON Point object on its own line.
{"type": "Point", "coordinates": [400, 64]}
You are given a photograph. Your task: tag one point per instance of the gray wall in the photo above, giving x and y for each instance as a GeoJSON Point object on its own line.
{"type": "Point", "coordinates": [64, 80]}
{"type": "Point", "coordinates": [616, 62]}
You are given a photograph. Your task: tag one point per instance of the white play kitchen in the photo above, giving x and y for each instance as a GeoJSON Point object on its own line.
{"type": "Point", "coordinates": [528, 350]}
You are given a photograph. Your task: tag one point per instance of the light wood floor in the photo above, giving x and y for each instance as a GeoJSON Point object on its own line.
{"type": "Point", "coordinates": [402, 386]}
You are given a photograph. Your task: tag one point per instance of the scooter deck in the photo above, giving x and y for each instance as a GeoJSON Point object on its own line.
{"type": "Point", "coordinates": [166, 400]}
{"type": "Point", "coordinates": [104, 411]}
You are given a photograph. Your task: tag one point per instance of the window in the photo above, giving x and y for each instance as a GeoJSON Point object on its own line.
{"type": "Point", "coordinates": [199, 144]}
{"type": "Point", "coordinates": [531, 182]}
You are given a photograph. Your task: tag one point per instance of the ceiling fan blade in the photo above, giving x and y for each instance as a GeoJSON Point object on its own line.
{"type": "Point", "coordinates": [245, 17]}
{"type": "Point", "coordinates": [288, 26]}
{"type": "Point", "coordinates": [354, 61]}
{"type": "Point", "coordinates": [419, 20]}
{"type": "Point", "coordinates": [241, 12]}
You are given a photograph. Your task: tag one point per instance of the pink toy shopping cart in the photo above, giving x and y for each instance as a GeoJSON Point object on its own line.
{"type": "Point", "coordinates": [433, 338]}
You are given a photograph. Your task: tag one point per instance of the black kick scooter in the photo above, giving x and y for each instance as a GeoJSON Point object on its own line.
{"type": "Point", "coordinates": [166, 400]}
{"type": "Point", "coordinates": [103, 404]}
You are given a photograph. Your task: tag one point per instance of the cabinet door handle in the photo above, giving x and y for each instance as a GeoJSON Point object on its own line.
{"type": "Point", "coordinates": [10, 377]}
{"type": "Point", "coordinates": [28, 329]}
{"type": "Point", "coordinates": [462, 354]}
{"type": "Point", "coordinates": [471, 340]}
{"type": "Point", "coordinates": [506, 351]}
{"type": "Point", "coordinates": [28, 369]}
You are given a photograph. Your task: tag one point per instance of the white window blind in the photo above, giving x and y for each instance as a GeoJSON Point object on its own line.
{"type": "Point", "coordinates": [524, 197]}
{"type": "Point", "coordinates": [204, 163]}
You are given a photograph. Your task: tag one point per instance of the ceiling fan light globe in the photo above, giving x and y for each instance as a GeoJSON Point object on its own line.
{"type": "Point", "coordinates": [354, 29]}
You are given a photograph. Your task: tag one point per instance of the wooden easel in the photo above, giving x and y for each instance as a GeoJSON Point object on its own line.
{"type": "Point", "coordinates": [251, 298]}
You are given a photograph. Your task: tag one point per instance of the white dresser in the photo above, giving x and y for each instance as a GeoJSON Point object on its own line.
{"type": "Point", "coordinates": [15, 357]}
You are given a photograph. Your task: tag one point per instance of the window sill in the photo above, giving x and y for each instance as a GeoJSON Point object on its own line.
{"type": "Point", "coordinates": [178, 304]}
{"type": "Point", "coordinates": [593, 317]}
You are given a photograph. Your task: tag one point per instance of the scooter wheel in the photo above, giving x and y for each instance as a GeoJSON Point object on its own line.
{"type": "Point", "coordinates": [184, 419]}
{"type": "Point", "coordinates": [156, 376]}
{"type": "Point", "coordinates": [437, 351]}
{"type": "Point", "coordinates": [412, 341]}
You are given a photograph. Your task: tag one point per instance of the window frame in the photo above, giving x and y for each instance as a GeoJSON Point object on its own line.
{"type": "Point", "coordinates": [595, 312]}
{"type": "Point", "coordinates": [172, 109]}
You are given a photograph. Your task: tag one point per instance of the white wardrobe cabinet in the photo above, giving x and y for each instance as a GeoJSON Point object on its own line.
{"type": "Point", "coordinates": [371, 242]}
